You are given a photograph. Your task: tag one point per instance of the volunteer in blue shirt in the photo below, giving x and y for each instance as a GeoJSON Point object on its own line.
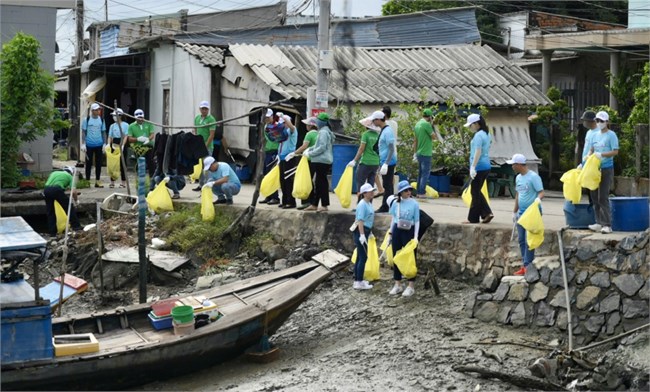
{"type": "Point", "coordinates": [479, 169]}
{"type": "Point", "coordinates": [222, 179]}
{"type": "Point", "coordinates": [285, 148]}
{"type": "Point", "coordinates": [529, 188]}
{"type": "Point", "coordinates": [604, 144]}
{"type": "Point", "coordinates": [405, 226]}
{"type": "Point", "coordinates": [117, 139]}
{"type": "Point", "coordinates": [387, 157]}
{"type": "Point", "coordinates": [364, 219]}
{"type": "Point", "coordinates": [94, 142]}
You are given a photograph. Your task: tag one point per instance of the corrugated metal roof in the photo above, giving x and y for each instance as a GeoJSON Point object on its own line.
{"type": "Point", "coordinates": [440, 27]}
{"type": "Point", "coordinates": [208, 55]}
{"type": "Point", "coordinates": [469, 73]}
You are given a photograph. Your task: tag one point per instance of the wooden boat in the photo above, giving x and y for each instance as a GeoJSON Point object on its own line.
{"type": "Point", "coordinates": [132, 352]}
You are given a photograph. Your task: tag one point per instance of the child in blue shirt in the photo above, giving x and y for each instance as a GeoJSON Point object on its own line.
{"type": "Point", "coordinates": [404, 227]}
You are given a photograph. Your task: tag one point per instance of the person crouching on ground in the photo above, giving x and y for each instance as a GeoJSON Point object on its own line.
{"type": "Point", "coordinates": [175, 183]}
{"type": "Point", "coordinates": [222, 179]}
{"type": "Point", "coordinates": [365, 217]}
{"type": "Point", "coordinates": [404, 227]}
{"type": "Point", "coordinates": [55, 187]}
{"type": "Point", "coordinates": [529, 189]}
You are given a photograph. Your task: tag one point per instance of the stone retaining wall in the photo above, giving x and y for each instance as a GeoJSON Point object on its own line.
{"type": "Point", "coordinates": [609, 287]}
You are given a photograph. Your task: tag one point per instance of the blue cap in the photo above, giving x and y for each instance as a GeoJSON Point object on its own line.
{"type": "Point", "coordinates": [403, 185]}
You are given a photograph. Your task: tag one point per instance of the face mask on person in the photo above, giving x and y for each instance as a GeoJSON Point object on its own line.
{"type": "Point", "coordinates": [602, 125]}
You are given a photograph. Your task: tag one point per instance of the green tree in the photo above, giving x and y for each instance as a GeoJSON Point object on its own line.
{"type": "Point", "coordinates": [638, 115]}
{"type": "Point", "coordinates": [553, 119]}
{"type": "Point", "coordinates": [27, 98]}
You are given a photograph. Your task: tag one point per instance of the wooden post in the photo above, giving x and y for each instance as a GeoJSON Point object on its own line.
{"type": "Point", "coordinates": [122, 144]}
{"type": "Point", "coordinates": [100, 249]}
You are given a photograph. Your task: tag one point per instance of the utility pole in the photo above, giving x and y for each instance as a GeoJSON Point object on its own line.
{"type": "Point", "coordinates": [79, 15]}
{"type": "Point", "coordinates": [325, 55]}
{"type": "Point", "coordinates": [106, 10]}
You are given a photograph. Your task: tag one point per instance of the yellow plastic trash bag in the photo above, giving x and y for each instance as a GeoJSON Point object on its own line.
{"type": "Point", "coordinates": [61, 217]}
{"type": "Point", "coordinates": [571, 189]}
{"type": "Point", "coordinates": [371, 270]}
{"type": "Point", "coordinates": [590, 174]}
{"type": "Point", "coordinates": [405, 260]}
{"type": "Point", "coordinates": [467, 194]}
{"type": "Point", "coordinates": [353, 259]}
{"type": "Point", "coordinates": [207, 208]}
{"type": "Point", "coordinates": [531, 219]}
{"type": "Point", "coordinates": [270, 182]}
{"type": "Point", "coordinates": [387, 249]}
{"type": "Point", "coordinates": [344, 188]}
{"type": "Point", "coordinates": [113, 162]}
{"type": "Point", "coordinates": [534, 240]}
{"type": "Point", "coordinates": [302, 185]}
{"type": "Point", "coordinates": [159, 199]}
{"type": "Point", "coordinates": [429, 191]}
{"type": "Point", "coordinates": [198, 168]}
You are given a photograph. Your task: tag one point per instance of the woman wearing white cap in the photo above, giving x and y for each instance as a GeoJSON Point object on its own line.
{"type": "Point", "coordinates": [117, 135]}
{"type": "Point", "coordinates": [479, 169]}
{"type": "Point", "coordinates": [364, 220]}
{"type": "Point", "coordinates": [404, 227]}
{"type": "Point", "coordinates": [94, 140]}
{"type": "Point", "coordinates": [604, 144]}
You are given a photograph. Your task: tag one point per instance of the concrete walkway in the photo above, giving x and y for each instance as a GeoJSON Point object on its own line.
{"type": "Point", "coordinates": [443, 210]}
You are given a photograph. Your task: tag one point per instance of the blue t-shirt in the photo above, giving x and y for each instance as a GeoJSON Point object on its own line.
{"type": "Point", "coordinates": [289, 145]}
{"type": "Point", "coordinates": [222, 171]}
{"type": "Point", "coordinates": [386, 138]}
{"type": "Point", "coordinates": [585, 149]}
{"type": "Point", "coordinates": [528, 187]}
{"type": "Point", "coordinates": [93, 129]}
{"type": "Point", "coordinates": [605, 142]}
{"type": "Point", "coordinates": [481, 140]}
{"type": "Point", "coordinates": [365, 213]}
{"type": "Point", "coordinates": [114, 131]}
{"type": "Point", "coordinates": [408, 210]}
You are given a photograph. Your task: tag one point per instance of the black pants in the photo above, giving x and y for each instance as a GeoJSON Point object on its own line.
{"type": "Point", "coordinates": [387, 181]}
{"type": "Point", "coordinates": [215, 151]}
{"type": "Point", "coordinates": [286, 184]}
{"type": "Point", "coordinates": [57, 193]}
{"type": "Point", "coordinates": [479, 207]}
{"type": "Point", "coordinates": [150, 163]}
{"type": "Point", "coordinates": [94, 154]}
{"type": "Point", "coordinates": [321, 191]}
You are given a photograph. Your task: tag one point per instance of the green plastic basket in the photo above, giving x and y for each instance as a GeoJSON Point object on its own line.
{"type": "Point", "coordinates": [183, 314]}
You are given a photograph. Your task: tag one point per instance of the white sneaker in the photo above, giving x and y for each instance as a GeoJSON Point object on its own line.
{"type": "Point", "coordinates": [408, 292]}
{"type": "Point", "coordinates": [356, 285]}
{"type": "Point", "coordinates": [364, 285]}
{"type": "Point", "coordinates": [595, 227]}
{"type": "Point", "coordinates": [395, 290]}
{"type": "Point", "coordinates": [606, 230]}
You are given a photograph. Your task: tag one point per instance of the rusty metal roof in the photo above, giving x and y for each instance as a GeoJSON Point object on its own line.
{"type": "Point", "coordinates": [209, 55]}
{"type": "Point", "coordinates": [469, 73]}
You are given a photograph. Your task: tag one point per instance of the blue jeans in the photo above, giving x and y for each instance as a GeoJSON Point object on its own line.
{"type": "Point", "coordinates": [227, 190]}
{"type": "Point", "coordinates": [424, 164]}
{"type": "Point", "coordinates": [527, 254]}
{"type": "Point", "coordinates": [362, 255]}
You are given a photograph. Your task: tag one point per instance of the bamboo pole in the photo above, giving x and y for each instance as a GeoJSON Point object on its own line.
{"type": "Point", "coordinates": [64, 259]}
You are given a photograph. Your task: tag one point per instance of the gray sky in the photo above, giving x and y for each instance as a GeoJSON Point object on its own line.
{"type": "Point", "coordinates": [122, 9]}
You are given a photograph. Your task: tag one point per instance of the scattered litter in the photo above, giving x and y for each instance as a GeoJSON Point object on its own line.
{"type": "Point", "coordinates": [90, 227]}
{"type": "Point", "coordinates": [157, 243]}
{"type": "Point", "coordinates": [166, 260]}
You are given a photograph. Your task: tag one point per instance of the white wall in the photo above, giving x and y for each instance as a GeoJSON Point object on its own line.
{"type": "Point", "coordinates": [517, 22]}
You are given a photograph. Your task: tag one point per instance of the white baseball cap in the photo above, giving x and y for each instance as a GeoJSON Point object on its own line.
{"type": "Point", "coordinates": [207, 162]}
{"type": "Point", "coordinates": [269, 113]}
{"type": "Point", "coordinates": [378, 115]}
{"type": "Point", "coordinates": [139, 113]}
{"type": "Point", "coordinates": [471, 119]}
{"type": "Point", "coordinates": [390, 200]}
{"type": "Point", "coordinates": [518, 159]}
{"type": "Point", "coordinates": [309, 121]}
{"type": "Point", "coordinates": [366, 188]}
{"type": "Point", "coordinates": [204, 104]}
{"type": "Point", "coordinates": [69, 169]}
{"type": "Point", "coordinates": [118, 111]}
{"type": "Point", "coordinates": [602, 115]}
{"type": "Point", "coordinates": [94, 106]}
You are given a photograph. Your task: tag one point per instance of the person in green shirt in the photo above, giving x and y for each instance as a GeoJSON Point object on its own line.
{"type": "Point", "coordinates": [270, 156]}
{"type": "Point", "coordinates": [368, 153]}
{"type": "Point", "coordinates": [309, 141]}
{"type": "Point", "coordinates": [55, 187]}
{"type": "Point", "coordinates": [141, 136]}
{"type": "Point", "coordinates": [423, 146]}
{"type": "Point", "coordinates": [206, 129]}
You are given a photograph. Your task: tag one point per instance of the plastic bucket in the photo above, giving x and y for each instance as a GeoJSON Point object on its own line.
{"type": "Point", "coordinates": [181, 329]}
{"type": "Point", "coordinates": [442, 183]}
{"type": "Point", "coordinates": [578, 216]}
{"type": "Point", "coordinates": [183, 314]}
{"type": "Point", "coordinates": [343, 154]}
{"type": "Point", "coordinates": [629, 213]}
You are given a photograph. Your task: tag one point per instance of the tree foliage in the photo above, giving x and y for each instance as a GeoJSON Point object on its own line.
{"type": "Point", "coordinates": [638, 115]}
{"type": "Point", "coordinates": [26, 101]}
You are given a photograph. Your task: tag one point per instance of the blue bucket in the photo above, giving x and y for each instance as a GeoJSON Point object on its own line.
{"type": "Point", "coordinates": [242, 171]}
{"type": "Point", "coordinates": [343, 154]}
{"type": "Point", "coordinates": [629, 213]}
{"type": "Point", "coordinates": [440, 183]}
{"type": "Point", "coordinates": [578, 216]}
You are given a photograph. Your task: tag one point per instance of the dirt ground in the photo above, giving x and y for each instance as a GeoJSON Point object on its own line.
{"type": "Point", "coordinates": [342, 339]}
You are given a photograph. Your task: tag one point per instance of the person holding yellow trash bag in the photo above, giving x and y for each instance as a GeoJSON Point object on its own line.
{"type": "Point", "coordinates": [362, 232]}
{"type": "Point", "coordinates": [404, 227]}
{"type": "Point", "coordinates": [222, 179]}
{"type": "Point", "coordinates": [117, 139]}
{"type": "Point", "coordinates": [55, 187]}
{"type": "Point", "coordinates": [529, 189]}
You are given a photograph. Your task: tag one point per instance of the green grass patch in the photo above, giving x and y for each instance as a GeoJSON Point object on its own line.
{"type": "Point", "coordinates": [255, 241]}
{"type": "Point", "coordinates": [188, 233]}
{"type": "Point", "coordinates": [60, 153]}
